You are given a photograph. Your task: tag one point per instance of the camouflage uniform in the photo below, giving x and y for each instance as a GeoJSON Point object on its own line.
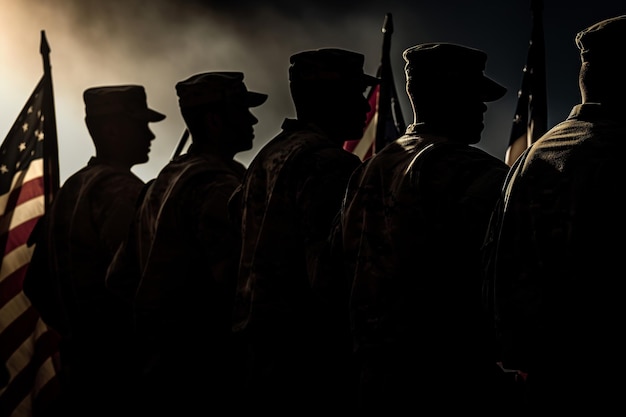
{"type": "Point", "coordinates": [180, 265]}
{"type": "Point", "coordinates": [556, 245]}
{"type": "Point", "coordinates": [413, 225]}
{"type": "Point", "coordinates": [289, 198]}
{"type": "Point", "coordinates": [89, 218]}
{"type": "Point", "coordinates": [558, 249]}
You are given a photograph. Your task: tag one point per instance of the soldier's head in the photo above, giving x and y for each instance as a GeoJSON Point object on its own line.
{"type": "Point", "coordinates": [216, 109]}
{"type": "Point", "coordinates": [117, 118]}
{"type": "Point", "coordinates": [603, 70]}
{"type": "Point", "coordinates": [327, 87]}
{"type": "Point", "coordinates": [448, 89]}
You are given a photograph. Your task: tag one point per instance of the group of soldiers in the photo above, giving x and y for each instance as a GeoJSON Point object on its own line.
{"type": "Point", "coordinates": [431, 276]}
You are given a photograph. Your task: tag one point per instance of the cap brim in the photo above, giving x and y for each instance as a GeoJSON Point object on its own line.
{"type": "Point", "coordinates": [492, 90]}
{"type": "Point", "coordinates": [256, 99]}
{"type": "Point", "coordinates": [148, 115]}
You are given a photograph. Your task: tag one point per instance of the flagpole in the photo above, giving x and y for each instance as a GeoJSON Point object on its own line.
{"type": "Point", "coordinates": [387, 98]}
{"type": "Point", "coordinates": [539, 101]}
{"type": "Point", "coordinates": [396, 110]}
{"type": "Point", "coordinates": [383, 95]}
{"type": "Point", "coordinates": [51, 149]}
{"type": "Point", "coordinates": [531, 112]}
{"type": "Point", "coordinates": [384, 122]}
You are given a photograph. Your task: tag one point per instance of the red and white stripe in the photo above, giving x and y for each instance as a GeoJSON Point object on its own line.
{"type": "Point", "coordinates": [28, 347]}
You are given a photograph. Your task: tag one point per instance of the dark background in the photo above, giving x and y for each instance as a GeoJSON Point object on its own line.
{"type": "Point", "coordinates": [157, 43]}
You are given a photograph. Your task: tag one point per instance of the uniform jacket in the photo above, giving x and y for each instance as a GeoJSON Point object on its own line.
{"type": "Point", "coordinates": [413, 225]}
{"type": "Point", "coordinates": [292, 312]}
{"type": "Point", "coordinates": [556, 250]}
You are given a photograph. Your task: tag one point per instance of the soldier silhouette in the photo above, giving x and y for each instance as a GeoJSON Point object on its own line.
{"type": "Point", "coordinates": [178, 267]}
{"type": "Point", "coordinates": [87, 221]}
{"type": "Point", "coordinates": [291, 315]}
{"type": "Point", "coordinates": [557, 244]}
{"type": "Point", "coordinates": [411, 231]}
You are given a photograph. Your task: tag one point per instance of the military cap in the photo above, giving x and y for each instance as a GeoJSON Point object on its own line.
{"type": "Point", "coordinates": [603, 41]}
{"type": "Point", "coordinates": [329, 64]}
{"type": "Point", "coordinates": [441, 62]}
{"type": "Point", "coordinates": [215, 88]}
{"type": "Point", "coordinates": [119, 99]}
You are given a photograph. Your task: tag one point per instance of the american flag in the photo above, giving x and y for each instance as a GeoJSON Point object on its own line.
{"type": "Point", "coordinates": [384, 121]}
{"type": "Point", "coordinates": [531, 114]}
{"type": "Point", "coordinates": [29, 381]}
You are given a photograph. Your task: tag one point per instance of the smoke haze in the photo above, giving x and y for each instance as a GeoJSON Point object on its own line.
{"type": "Point", "coordinates": [158, 43]}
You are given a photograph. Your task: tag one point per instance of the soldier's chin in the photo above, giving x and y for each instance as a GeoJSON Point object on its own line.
{"type": "Point", "coordinates": [142, 160]}
{"type": "Point", "coordinates": [473, 139]}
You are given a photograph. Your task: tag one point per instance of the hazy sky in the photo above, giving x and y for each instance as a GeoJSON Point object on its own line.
{"type": "Point", "coordinates": [157, 43]}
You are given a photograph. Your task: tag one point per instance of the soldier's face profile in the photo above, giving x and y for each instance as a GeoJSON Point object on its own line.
{"type": "Point", "coordinates": [239, 123]}
{"type": "Point", "coordinates": [135, 139]}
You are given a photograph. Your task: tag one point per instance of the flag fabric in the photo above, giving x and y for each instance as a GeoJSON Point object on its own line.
{"type": "Point", "coordinates": [364, 147]}
{"type": "Point", "coordinates": [29, 355]}
{"type": "Point", "coordinates": [531, 113]}
{"type": "Point", "coordinates": [384, 122]}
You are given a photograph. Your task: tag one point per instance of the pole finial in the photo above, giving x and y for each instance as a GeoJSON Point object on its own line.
{"type": "Point", "coordinates": [388, 24]}
{"type": "Point", "coordinates": [44, 49]}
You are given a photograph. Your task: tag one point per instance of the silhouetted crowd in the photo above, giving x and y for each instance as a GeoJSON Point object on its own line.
{"type": "Point", "coordinates": [431, 277]}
